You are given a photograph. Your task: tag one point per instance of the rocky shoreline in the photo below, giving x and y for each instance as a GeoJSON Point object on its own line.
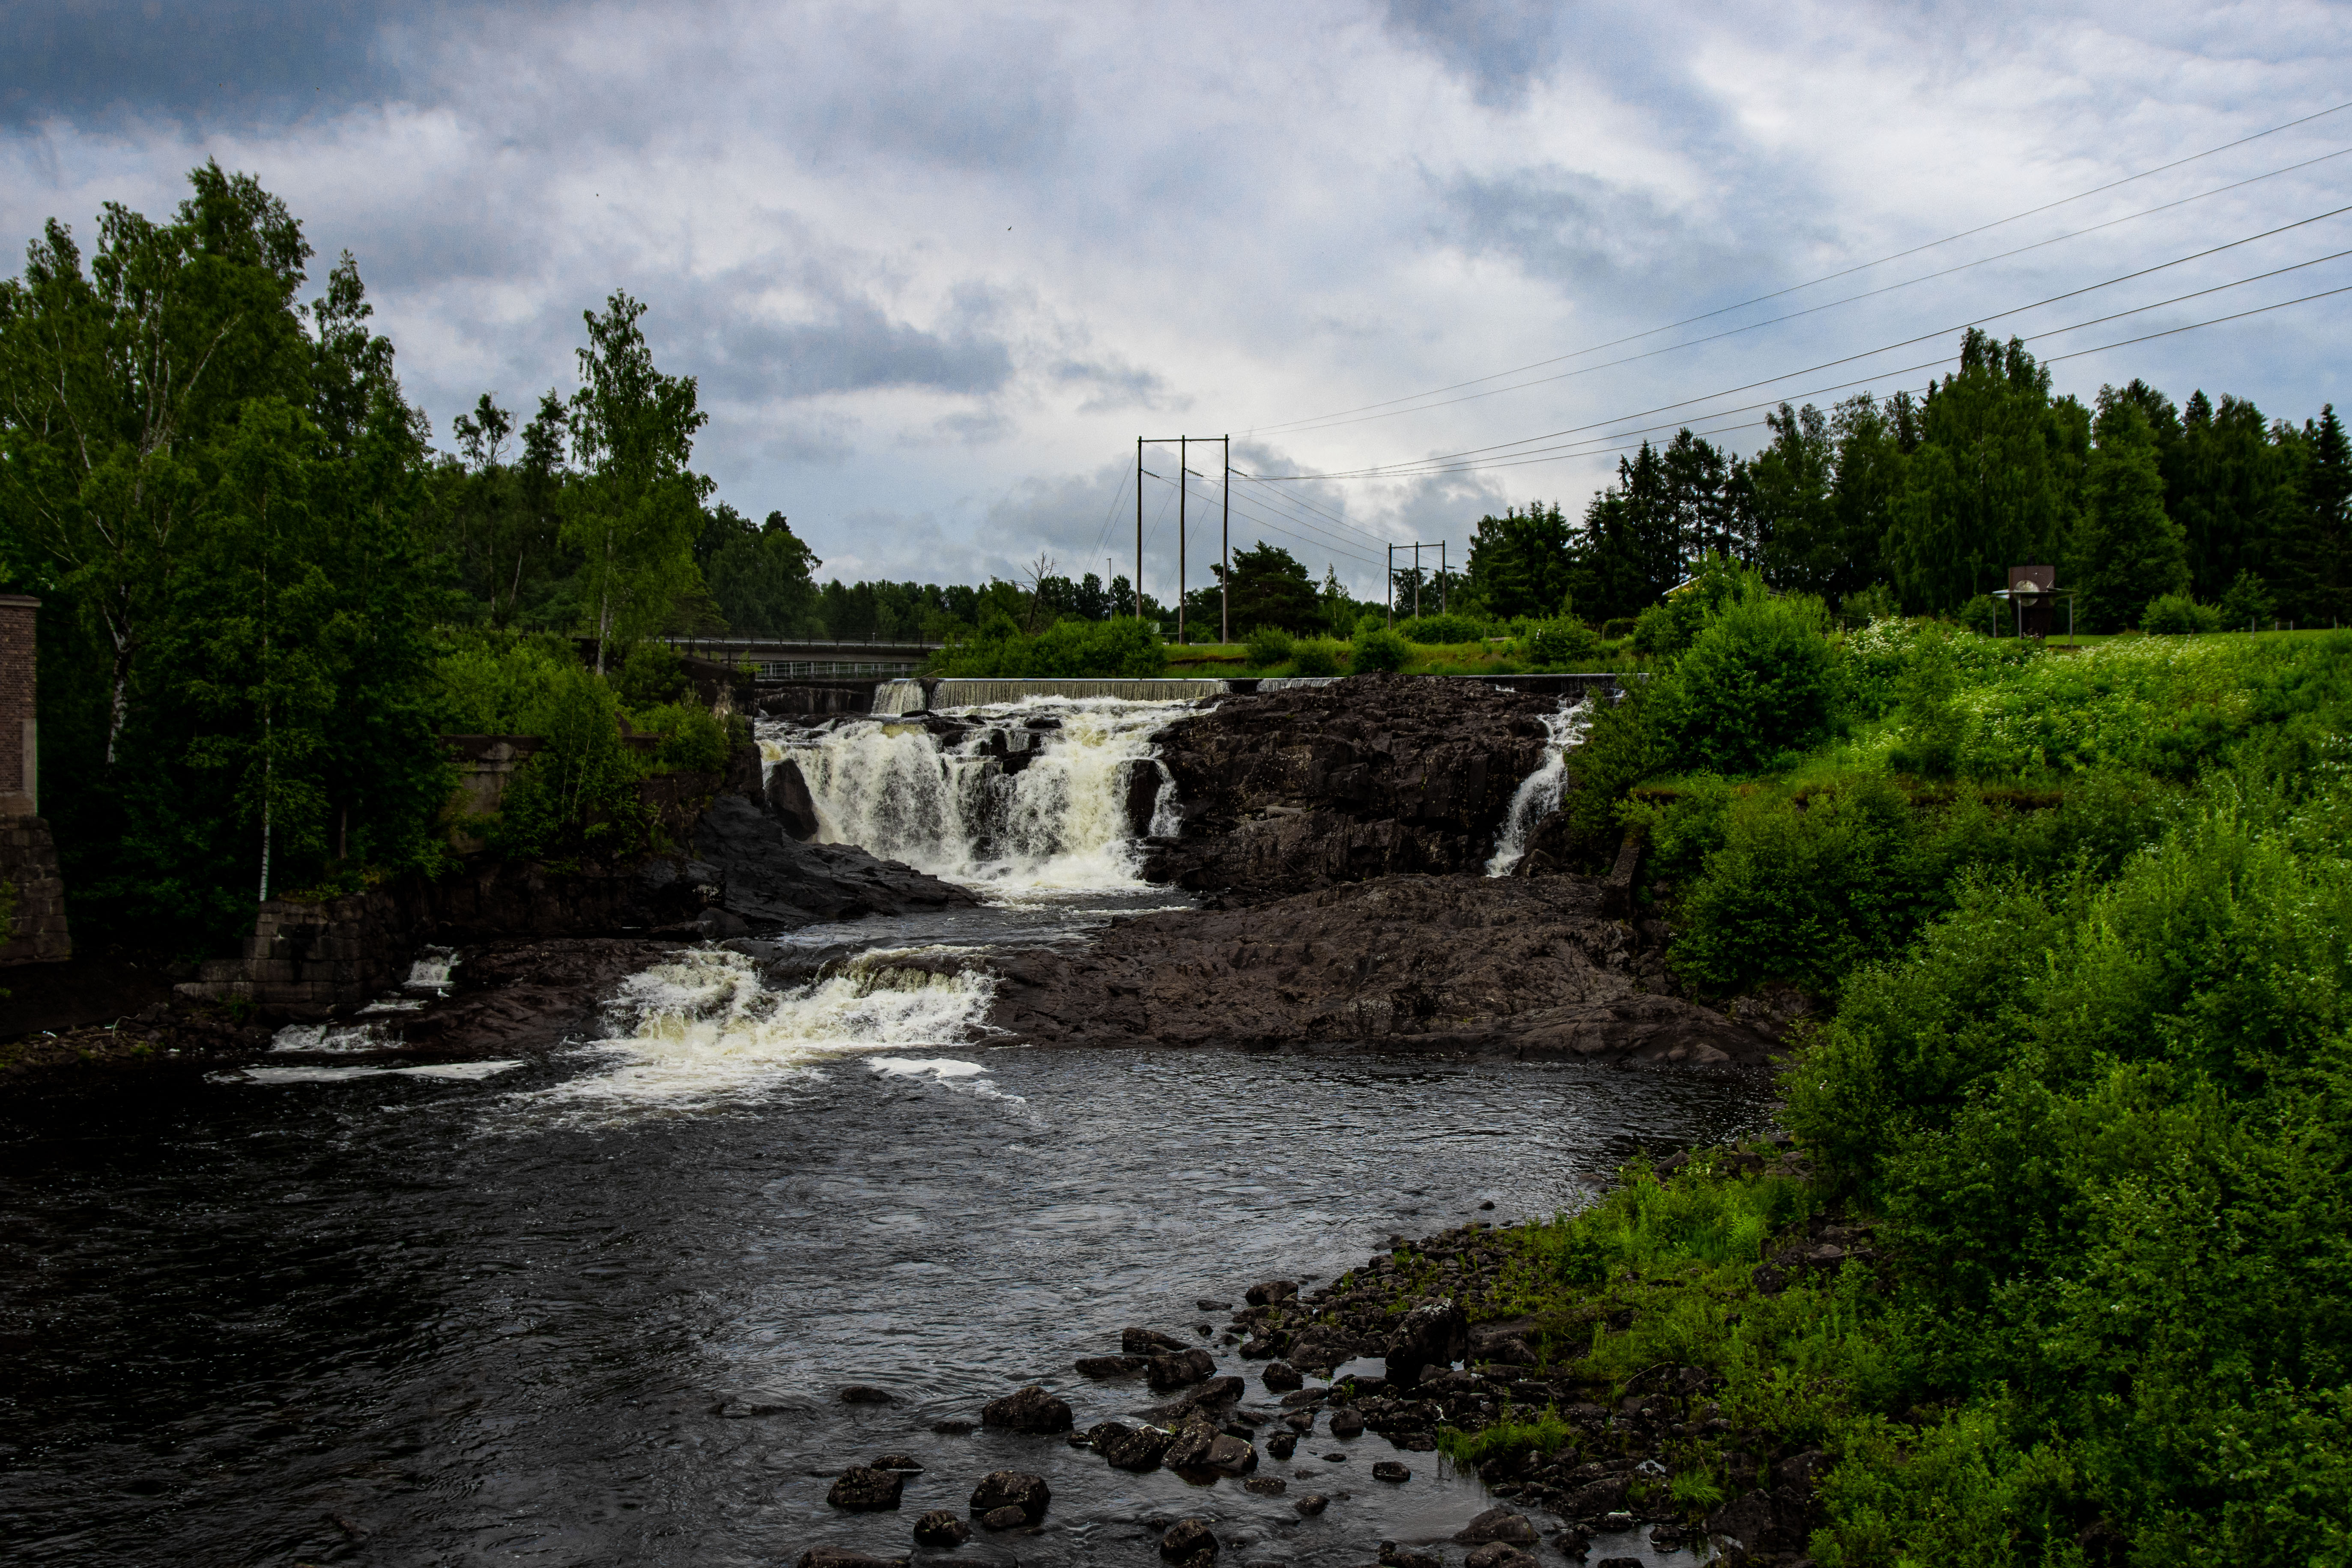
{"type": "Point", "coordinates": [1480, 1370]}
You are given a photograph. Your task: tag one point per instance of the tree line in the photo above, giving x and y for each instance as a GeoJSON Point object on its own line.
{"type": "Point", "coordinates": [1932, 497]}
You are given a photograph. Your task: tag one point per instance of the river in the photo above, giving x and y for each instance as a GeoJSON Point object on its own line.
{"type": "Point", "coordinates": [597, 1307]}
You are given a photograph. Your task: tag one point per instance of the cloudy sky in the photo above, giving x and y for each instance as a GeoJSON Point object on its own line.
{"type": "Point", "coordinates": [938, 266]}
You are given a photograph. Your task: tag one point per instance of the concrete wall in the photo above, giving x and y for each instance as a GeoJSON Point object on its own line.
{"type": "Point", "coordinates": [19, 751]}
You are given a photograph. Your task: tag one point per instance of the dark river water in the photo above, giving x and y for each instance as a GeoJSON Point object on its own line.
{"type": "Point", "coordinates": [598, 1308]}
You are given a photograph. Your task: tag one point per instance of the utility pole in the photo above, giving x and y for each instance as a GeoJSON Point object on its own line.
{"type": "Point", "coordinates": [1441, 576]}
{"type": "Point", "coordinates": [1226, 553]}
{"type": "Point", "coordinates": [1184, 493]}
{"type": "Point", "coordinates": [1416, 581]}
{"type": "Point", "coordinates": [1139, 528]}
{"type": "Point", "coordinates": [1390, 575]}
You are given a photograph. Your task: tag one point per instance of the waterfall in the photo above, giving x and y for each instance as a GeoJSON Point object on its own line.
{"type": "Point", "coordinates": [1047, 793]}
{"type": "Point", "coordinates": [898, 696]}
{"type": "Point", "coordinates": [1538, 794]}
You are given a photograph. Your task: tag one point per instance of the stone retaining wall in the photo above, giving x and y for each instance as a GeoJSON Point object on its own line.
{"type": "Point", "coordinates": [29, 859]}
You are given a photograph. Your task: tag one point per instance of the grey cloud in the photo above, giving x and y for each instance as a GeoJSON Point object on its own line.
{"type": "Point", "coordinates": [1116, 384]}
{"type": "Point", "coordinates": [1498, 46]}
{"type": "Point", "coordinates": [1578, 229]}
{"type": "Point", "coordinates": [853, 345]}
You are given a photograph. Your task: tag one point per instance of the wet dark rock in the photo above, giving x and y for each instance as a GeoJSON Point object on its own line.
{"type": "Point", "coordinates": [1187, 1539]}
{"type": "Point", "coordinates": [1282, 1445]}
{"type": "Point", "coordinates": [863, 1488]}
{"type": "Point", "coordinates": [1395, 1556]}
{"type": "Point", "coordinates": [1455, 966]}
{"type": "Point", "coordinates": [1030, 1410]}
{"type": "Point", "coordinates": [1434, 1333]}
{"type": "Point", "coordinates": [1312, 1504]}
{"type": "Point", "coordinates": [867, 1393]}
{"type": "Point", "coordinates": [941, 1528]}
{"type": "Point", "coordinates": [1141, 793]}
{"type": "Point", "coordinates": [1595, 1498]}
{"type": "Point", "coordinates": [1500, 1555]}
{"type": "Point", "coordinates": [1619, 1563]}
{"type": "Point", "coordinates": [1300, 1421]}
{"type": "Point", "coordinates": [1206, 1305]}
{"type": "Point", "coordinates": [1008, 1517]}
{"type": "Point", "coordinates": [1799, 1471]}
{"type": "Point", "coordinates": [842, 1557]}
{"type": "Point", "coordinates": [1190, 1445]}
{"type": "Point", "coordinates": [1137, 1448]}
{"type": "Point", "coordinates": [1149, 1343]}
{"type": "Point", "coordinates": [952, 1429]}
{"type": "Point", "coordinates": [788, 797]}
{"type": "Point", "coordinates": [767, 877]}
{"type": "Point", "coordinates": [1266, 1486]}
{"type": "Point", "coordinates": [1497, 1524]}
{"type": "Point", "coordinates": [906, 1462]}
{"type": "Point", "coordinates": [1347, 1423]}
{"type": "Point", "coordinates": [1111, 1365]}
{"type": "Point", "coordinates": [1009, 1488]}
{"type": "Point", "coordinates": [1371, 776]}
{"type": "Point", "coordinates": [1389, 1470]}
{"type": "Point", "coordinates": [1233, 1456]}
{"type": "Point", "coordinates": [1267, 1292]}
{"type": "Point", "coordinates": [1178, 1369]}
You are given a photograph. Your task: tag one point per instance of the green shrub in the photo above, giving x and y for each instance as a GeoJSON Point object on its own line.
{"type": "Point", "coordinates": [651, 676]}
{"type": "Point", "coordinates": [1933, 726]}
{"type": "Point", "coordinates": [2178, 615]}
{"type": "Point", "coordinates": [693, 739]}
{"type": "Point", "coordinates": [577, 795]}
{"type": "Point", "coordinates": [1437, 630]}
{"type": "Point", "coordinates": [1757, 685]}
{"type": "Point", "coordinates": [1315, 655]}
{"type": "Point", "coordinates": [1379, 648]}
{"type": "Point", "coordinates": [2247, 605]}
{"type": "Point", "coordinates": [1124, 648]}
{"type": "Point", "coordinates": [1985, 615]}
{"type": "Point", "coordinates": [1668, 627]}
{"type": "Point", "coordinates": [1267, 647]}
{"type": "Point", "coordinates": [485, 682]}
{"type": "Point", "coordinates": [1863, 605]}
{"type": "Point", "coordinates": [1616, 628]}
{"type": "Point", "coordinates": [1558, 642]}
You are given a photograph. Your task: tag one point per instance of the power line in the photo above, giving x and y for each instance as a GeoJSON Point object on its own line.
{"type": "Point", "coordinates": [1527, 460]}
{"type": "Point", "coordinates": [1308, 427]}
{"type": "Point", "coordinates": [1420, 464]}
{"type": "Point", "coordinates": [1828, 276]}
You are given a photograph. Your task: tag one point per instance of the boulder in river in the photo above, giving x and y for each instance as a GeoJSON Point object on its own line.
{"type": "Point", "coordinates": [1136, 1449]}
{"type": "Point", "coordinates": [788, 797]}
{"type": "Point", "coordinates": [1282, 1445]}
{"type": "Point", "coordinates": [1231, 1455]}
{"type": "Point", "coordinates": [1389, 1470]}
{"type": "Point", "coordinates": [1311, 1504]}
{"type": "Point", "coordinates": [863, 1488]}
{"type": "Point", "coordinates": [1497, 1524]}
{"type": "Point", "coordinates": [1150, 1343]}
{"type": "Point", "coordinates": [941, 1528]}
{"type": "Point", "coordinates": [1011, 1488]}
{"type": "Point", "coordinates": [1031, 1409]}
{"type": "Point", "coordinates": [1267, 1292]}
{"type": "Point", "coordinates": [1347, 1422]}
{"type": "Point", "coordinates": [1111, 1365]}
{"type": "Point", "coordinates": [1187, 1539]}
{"type": "Point", "coordinates": [867, 1393]}
{"type": "Point", "coordinates": [1177, 1369]}
{"type": "Point", "coordinates": [1434, 1333]}
{"type": "Point", "coordinates": [843, 1557]}
{"type": "Point", "coordinates": [1502, 1555]}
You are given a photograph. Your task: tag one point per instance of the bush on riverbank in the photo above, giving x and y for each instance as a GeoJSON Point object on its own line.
{"type": "Point", "coordinates": [1123, 649]}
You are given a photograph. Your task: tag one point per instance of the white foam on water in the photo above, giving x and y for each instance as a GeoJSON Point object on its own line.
{"type": "Point", "coordinates": [325, 1037]}
{"type": "Point", "coordinates": [468, 1071]}
{"type": "Point", "coordinates": [1538, 795]}
{"type": "Point", "coordinates": [430, 970]}
{"type": "Point", "coordinates": [1059, 825]}
{"type": "Point", "coordinates": [967, 1078]}
{"type": "Point", "coordinates": [704, 1033]}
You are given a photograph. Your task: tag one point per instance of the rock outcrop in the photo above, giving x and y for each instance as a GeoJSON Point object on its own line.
{"type": "Point", "coordinates": [1370, 776]}
{"type": "Point", "coordinates": [768, 876]}
{"type": "Point", "coordinates": [1467, 965]}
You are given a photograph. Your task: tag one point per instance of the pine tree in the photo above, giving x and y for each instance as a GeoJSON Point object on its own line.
{"type": "Point", "coordinates": [2132, 551]}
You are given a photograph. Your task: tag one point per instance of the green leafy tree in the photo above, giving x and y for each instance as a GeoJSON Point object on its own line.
{"type": "Point", "coordinates": [762, 581]}
{"type": "Point", "coordinates": [1995, 482]}
{"type": "Point", "coordinates": [1522, 563]}
{"type": "Point", "coordinates": [1269, 588]}
{"type": "Point", "coordinates": [2132, 551]}
{"type": "Point", "coordinates": [636, 510]}
{"type": "Point", "coordinates": [1757, 684]}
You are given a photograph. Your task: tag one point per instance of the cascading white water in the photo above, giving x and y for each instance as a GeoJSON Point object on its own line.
{"type": "Point", "coordinates": [704, 1030]}
{"type": "Point", "coordinates": [1040, 796]}
{"type": "Point", "coordinates": [1538, 794]}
